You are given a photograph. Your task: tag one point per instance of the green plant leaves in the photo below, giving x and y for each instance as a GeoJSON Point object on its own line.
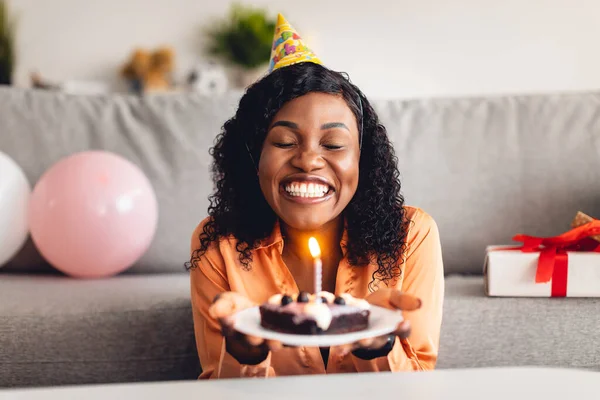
{"type": "Point", "coordinates": [244, 38]}
{"type": "Point", "coordinates": [7, 51]}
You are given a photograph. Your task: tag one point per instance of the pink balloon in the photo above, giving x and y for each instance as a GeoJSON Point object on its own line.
{"type": "Point", "coordinates": [93, 214]}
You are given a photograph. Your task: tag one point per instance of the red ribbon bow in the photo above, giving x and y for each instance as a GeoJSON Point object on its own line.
{"type": "Point", "coordinates": [553, 263]}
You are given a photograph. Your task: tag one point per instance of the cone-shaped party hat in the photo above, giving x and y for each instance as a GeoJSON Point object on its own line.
{"type": "Point", "coordinates": [288, 47]}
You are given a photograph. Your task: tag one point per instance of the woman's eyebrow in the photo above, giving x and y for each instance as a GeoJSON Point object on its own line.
{"type": "Point", "coordinates": [331, 125]}
{"type": "Point", "coordinates": [287, 124]}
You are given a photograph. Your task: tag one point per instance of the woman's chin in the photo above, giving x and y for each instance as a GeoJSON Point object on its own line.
{"type": "Point", "coordinates": [309, 224]}
{"type": "Point", "coordinates": [307, 221]}
{"type": "Point", "coordinates": [307, 217]}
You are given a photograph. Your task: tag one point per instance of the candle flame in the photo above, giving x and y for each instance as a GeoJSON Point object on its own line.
{"type": "Point", "coordinates": [313, 245]}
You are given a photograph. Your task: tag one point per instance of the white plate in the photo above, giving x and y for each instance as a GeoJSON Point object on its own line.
{"type": "Point", "coordinates": [381, 321]}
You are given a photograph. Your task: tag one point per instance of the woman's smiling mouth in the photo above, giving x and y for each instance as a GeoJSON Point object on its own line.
{"type": "Point", "coordinates": [306, 189]}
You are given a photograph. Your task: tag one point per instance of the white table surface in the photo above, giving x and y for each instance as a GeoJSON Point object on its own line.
{"type": "Point", "coordinates": [465, 384]}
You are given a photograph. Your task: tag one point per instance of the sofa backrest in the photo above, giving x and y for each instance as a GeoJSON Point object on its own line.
{"type": "Point", "coordinates": [489, 168]}
{"type": "Point", "coordinates": [168, 137]}
{"type": "Point", "coordinates": [484, 168]}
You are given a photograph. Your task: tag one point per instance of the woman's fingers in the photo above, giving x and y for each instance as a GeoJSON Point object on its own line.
{"type": "Point", "coordinates": [368, 342]}
{"type": "Point", "coordinates": [221, 308]}
{"type": "Point", "coordinates": [239, 347]}
{"type": "Point", "coordinates": [228, 303]}
{"type": "Point", "coordinates": [274, 345]}
{"type": "Point", "coordinates": [403, 329]}
{"type": "Point", "coordinates": [404, 302]}
{"type": "Point", "coordinates": [394, 299]}
{"type": "Point", "coordinates": [254, 340]}
{"type": "Point", "coordinates": [224, 306]}
{"type": "Point", "coordinates": [380, 298]}
{"type": "Point", "coordinates": [372, 343]}
{"type": "Point", "coordinates": [228, 330]}
{"type": "Point", "coordinates": [346, 349]}
{"type": "Point", "coordinates": [227, 326]}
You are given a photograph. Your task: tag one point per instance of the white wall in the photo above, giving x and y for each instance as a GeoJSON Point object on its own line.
{"type": "Point", "coordinates": [390, 48]}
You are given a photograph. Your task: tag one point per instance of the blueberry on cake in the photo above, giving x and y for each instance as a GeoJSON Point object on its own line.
{"type": "Point", "coordinates": [309, 314]}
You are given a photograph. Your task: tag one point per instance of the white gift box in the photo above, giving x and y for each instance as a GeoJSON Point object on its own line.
{"type": "Point", "coordinates": [511, 273]}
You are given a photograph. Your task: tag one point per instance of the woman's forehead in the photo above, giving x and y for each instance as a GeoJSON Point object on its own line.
{"type": "Point", "coordinates": [319, 108]}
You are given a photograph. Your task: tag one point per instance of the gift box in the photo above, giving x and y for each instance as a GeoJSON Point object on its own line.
{"type": "Point", "coordinates": [567, 265]}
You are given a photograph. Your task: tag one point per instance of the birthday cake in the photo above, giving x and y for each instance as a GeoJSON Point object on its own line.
{"type": "Point", "coordinates": [307, 314]}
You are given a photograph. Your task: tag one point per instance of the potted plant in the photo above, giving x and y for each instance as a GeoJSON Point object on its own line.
{"type": "Point", "coordinates": [7, 51]}
{"type": "Point", "coordinates": [243, 40]}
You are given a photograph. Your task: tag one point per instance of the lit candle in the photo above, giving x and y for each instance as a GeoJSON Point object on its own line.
{"type": "Point", "coordinates": [315, 251]}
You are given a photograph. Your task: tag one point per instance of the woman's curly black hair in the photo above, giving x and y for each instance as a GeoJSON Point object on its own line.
{"type": "Point", "coordinates": [375, 217]}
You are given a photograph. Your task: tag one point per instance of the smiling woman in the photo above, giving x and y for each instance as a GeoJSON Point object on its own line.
{"type": "Point", "coordinates": [306, 156]}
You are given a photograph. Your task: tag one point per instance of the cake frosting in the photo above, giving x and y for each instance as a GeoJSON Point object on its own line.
{"type": "Point", "coordinates": [353, 301]}
{"type": "Point", "coordinates": [330, 297]}
{"type": "Point", "coordinates": [321, 313]}
{"type": "Point", "coordinates": [275, 299]}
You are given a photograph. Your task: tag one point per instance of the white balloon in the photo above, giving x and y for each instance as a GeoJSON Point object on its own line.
{"type": "Point", "coordinates": [15, 192]}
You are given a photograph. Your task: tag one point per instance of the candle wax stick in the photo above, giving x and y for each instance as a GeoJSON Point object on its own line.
{"type": "Point", "coordinates": [318, 275]}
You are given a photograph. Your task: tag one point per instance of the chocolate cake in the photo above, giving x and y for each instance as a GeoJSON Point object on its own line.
{"type": "Point", "coordinates": [307, 314]}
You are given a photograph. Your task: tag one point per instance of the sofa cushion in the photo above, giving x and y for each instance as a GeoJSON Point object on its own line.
{"type": "Point", "coordinates": [480, 331]}
{"type": "Point", "coordinates": [56, 330]}
{"type": "Point", "coordinates": [132, 328]}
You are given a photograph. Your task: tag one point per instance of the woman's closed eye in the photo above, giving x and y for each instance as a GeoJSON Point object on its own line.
{"type": "Point", "coordinates": [284, 145]}
{"type": "Point", "coordinates": [333, 146]}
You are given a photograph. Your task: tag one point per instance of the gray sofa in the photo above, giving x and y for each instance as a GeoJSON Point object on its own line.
{"type": "Point", "coordinates": [484, 168]}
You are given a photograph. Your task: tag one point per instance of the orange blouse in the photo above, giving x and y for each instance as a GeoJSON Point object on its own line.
{"type": "Point", "coordinates": [219, 270]}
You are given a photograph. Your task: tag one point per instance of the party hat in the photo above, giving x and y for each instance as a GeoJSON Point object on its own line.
{"type": "Point", "coordinates": [288, 47]}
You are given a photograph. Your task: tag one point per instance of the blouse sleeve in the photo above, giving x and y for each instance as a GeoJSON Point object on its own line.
{"type": "Point", "coordinates": [208, 277]}
{"type": "Point", "coordinates": [424, 278]}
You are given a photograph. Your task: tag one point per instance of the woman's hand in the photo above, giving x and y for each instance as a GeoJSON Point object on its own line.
{"type": "Point", "coordinates": [248, 350]}
{"type": "Point", "coordinates": [391, 299]}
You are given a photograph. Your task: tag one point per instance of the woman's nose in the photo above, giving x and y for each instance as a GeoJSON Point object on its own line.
{"type": "Point", "coordinates": [307, 160]}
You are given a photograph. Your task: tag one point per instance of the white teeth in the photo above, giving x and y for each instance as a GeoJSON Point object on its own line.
{"type": "Point", "coordinates": [300, 189]}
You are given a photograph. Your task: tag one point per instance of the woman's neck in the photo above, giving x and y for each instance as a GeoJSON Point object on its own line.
{"type": "Point", "coordinates": [328, 236]}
